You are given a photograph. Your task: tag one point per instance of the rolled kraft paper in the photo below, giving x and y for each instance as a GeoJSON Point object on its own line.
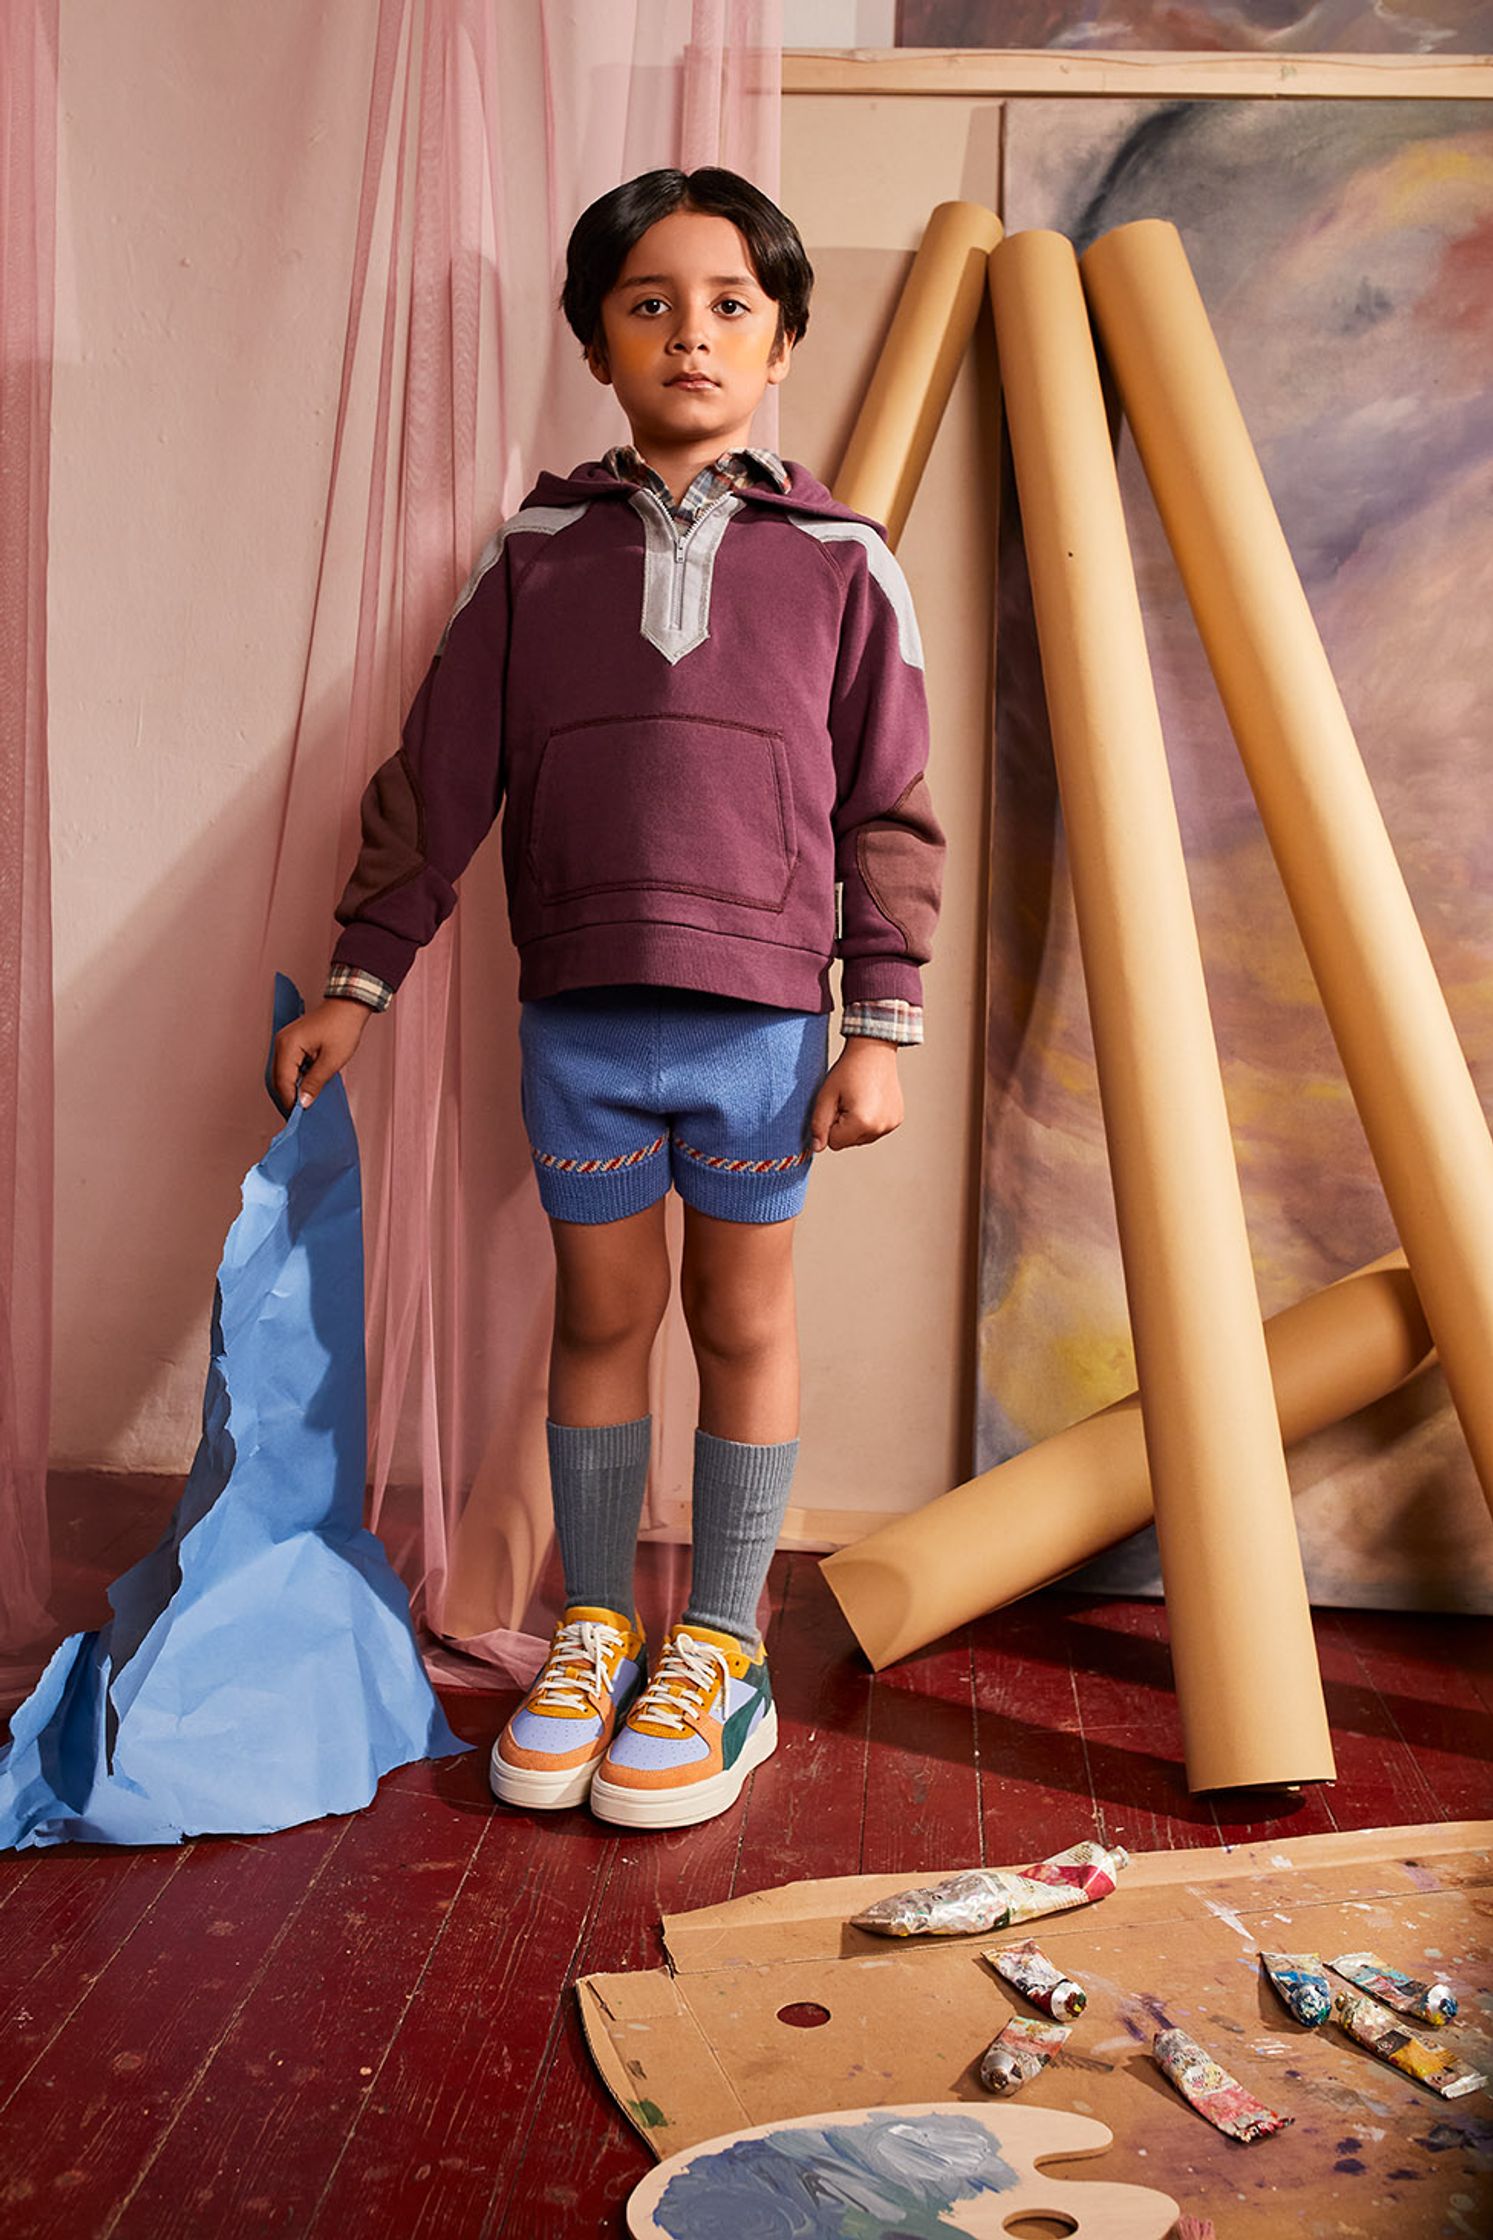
{"type": "Point", "coordinates": [1029, 1520]}
{"type": "Point", "coordinates": [930, 330]}
{"type": "Point", "coordinates": [1399, 1049]}
{"type": "Point", "coordinates": [1248, 1688]}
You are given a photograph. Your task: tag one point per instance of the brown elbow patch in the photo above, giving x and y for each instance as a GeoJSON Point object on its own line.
{"type": "Point", "coordinates": [901, 861]}
{"type": "Point", "coordinates": [393, 850]}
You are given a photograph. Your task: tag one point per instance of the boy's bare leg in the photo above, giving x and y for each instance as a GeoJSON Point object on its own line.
{"type": "Point", "coordinates": [737, 1291]}
{"type": "Point", "coordinates": [612, 1282]}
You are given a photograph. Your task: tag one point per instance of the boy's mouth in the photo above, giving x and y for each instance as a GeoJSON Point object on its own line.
{"type": "Point", "coordinates": [691, 381]}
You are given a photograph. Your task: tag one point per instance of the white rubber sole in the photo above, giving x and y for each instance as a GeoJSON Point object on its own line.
{"type": "Point", "coordinates": [684, 1808]}
{"type": "Point", "coordinates": [541, 1792]}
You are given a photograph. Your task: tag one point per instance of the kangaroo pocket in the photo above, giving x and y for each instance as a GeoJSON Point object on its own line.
{"type": "Point", "coordinates": [690, 804]}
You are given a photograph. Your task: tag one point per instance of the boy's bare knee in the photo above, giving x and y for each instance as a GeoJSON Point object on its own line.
{"type": "Point", "coordinates": [612, 1283]}
{"type": "Point", "coordinates": [599, 1319]}
{"type": "Point", "coordinates": [736, 1321]}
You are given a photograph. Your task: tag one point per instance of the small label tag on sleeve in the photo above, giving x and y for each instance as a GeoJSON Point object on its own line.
{"type": "Point", "coordinates": [839, 909]}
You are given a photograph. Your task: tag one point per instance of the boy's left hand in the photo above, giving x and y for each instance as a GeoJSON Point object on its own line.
{"type": "Point", "coordinates": [860, 1098]}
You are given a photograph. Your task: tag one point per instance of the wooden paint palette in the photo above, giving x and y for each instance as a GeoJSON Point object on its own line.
{"type": "Point", "coordinates": [952, 2165]}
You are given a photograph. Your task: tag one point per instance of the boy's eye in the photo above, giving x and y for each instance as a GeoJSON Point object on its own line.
{"type": "Point", "coordinates": [644, 301]}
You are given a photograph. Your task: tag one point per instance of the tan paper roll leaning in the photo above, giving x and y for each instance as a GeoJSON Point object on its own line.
{"type": "Point", "coordinates": [1029, 1520]}
{"type": "Point", "coordinates": [1399, 1049]}
{"type": "Point", "coordinates": [1248, 1686]}
{"type": "Point", "coordinates": [909, 390]}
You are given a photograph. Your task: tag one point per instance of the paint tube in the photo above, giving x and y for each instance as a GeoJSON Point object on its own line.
{"type": "Point", "coordinates": [1301, 1980]}
{"type": "Point", "coordinates": [1371, 2025]}
{"type": "Point", "coordinates": [996, 1897]}
{"type": "Point", "coordinates": [1032, 1974]}
{"type": "Point", "coordinates": [1020, 2053]}
{"type": "Point", "coordinates": [1211, 2090]}
{"type": "Point", "coordinates": [1089, 1870]}
{"type": "Point", "coordinates": [1427, 2002]}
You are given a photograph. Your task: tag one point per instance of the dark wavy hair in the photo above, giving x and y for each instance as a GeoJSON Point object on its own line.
{"type": "Point", "coordinates": [604, 233]}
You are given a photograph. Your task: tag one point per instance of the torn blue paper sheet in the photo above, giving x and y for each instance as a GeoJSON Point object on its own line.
{"type": "Point", "coordinates": [260, 1668]}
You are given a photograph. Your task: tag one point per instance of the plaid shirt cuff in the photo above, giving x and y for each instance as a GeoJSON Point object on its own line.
{"type": "Point", "coordinates": [350, 980]}
{"type": "Point", "coordinates": [884, 1019]}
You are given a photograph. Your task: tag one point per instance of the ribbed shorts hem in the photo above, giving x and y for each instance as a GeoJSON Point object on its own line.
{"type": "Point", "coordinates": [771, 1196]}
{"type": "Point", "coordinates": [572, 1196]}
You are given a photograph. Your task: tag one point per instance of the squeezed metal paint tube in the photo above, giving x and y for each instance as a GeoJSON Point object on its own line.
{"type": "Point", "coordinates": [1210, 2089]}
{"type": "Point", "coordinates": [1020, 2053]}
{"type": "Point", "coordinates": [1301, 1980]}
{"type": "Point", "coordinates": [1032, 1974]}
{"type": "Point", "coordinates": [1427, 2002]}
{"type": "Point", "coordinates": [1373, 2026]}
{"type": "Point", "coordinates": [997, 1897]}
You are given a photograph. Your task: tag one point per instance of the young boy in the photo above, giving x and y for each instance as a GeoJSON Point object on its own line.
{"type": "Point", "coordinates": [695, 680]}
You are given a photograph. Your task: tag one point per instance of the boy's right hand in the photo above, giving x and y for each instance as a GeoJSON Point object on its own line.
{"type": "Point", "coordinates": [327, 1037]}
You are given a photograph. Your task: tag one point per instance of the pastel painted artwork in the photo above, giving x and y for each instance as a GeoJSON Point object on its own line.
{"type": "Point", "coordinates": [921, 2171]}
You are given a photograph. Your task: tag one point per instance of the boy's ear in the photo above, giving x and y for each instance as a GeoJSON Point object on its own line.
{"type": "Point", "coordinates": [596, 359]}
{"type": "Point", "coordinates": [778, 365]}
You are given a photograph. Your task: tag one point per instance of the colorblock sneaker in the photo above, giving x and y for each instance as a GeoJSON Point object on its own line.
{"type": "Point", "coordinates": [552, 1745]}
{"type": "Point", "coordinates": [704, 1721]}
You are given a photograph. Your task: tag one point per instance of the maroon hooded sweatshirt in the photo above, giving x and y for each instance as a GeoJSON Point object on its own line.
{"type": "Point", "coordinates": [709, 748]}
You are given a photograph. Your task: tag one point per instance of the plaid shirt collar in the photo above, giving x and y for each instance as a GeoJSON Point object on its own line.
{"type": "Point", "coordinates": [728, 472]}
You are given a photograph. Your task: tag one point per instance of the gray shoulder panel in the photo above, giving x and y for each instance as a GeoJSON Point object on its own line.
{"type": "Point", "coordinates": [885, 572]}
{"type": "Point", "coordinates": [542, 521]}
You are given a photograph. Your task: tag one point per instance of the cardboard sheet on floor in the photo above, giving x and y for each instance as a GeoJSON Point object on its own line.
{"type": "Point", "coordinates": [259, 1668]}
{"type": "Point", "coordinates": [772, 2007]}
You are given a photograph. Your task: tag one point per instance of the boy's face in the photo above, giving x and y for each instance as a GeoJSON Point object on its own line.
{"type": "Point", "coordinates": [688, 300]}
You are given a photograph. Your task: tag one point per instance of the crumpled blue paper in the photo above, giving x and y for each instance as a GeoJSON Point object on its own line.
{"type": "Point", "coordinates": [260, 1668]}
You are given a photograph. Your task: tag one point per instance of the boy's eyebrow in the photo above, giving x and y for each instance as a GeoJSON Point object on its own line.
{"type": "Point", "coordinates": [716, 280]}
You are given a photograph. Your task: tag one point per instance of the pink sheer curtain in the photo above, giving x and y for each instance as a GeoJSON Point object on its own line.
{"type": "Point", "coordinates": [28, 167]}
{"type": "Point", "coordinates": [490, 127]}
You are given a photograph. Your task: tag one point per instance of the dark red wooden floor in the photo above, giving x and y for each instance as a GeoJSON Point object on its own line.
{"type": "Point", "coordinates": [364, 2027]}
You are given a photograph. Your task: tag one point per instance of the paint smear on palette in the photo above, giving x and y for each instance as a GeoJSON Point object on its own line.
{"type": "Point", "coordinates": [894, 2176]}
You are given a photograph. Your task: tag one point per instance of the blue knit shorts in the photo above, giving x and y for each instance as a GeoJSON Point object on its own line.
{"type": "Point", "coordinates": [627, 1089]}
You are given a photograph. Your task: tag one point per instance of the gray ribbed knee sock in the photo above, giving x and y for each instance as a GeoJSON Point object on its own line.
{"type": "Point", "coordinates": [598, 1473]}
{"type": "Point", "coordinates": [740, 1494]}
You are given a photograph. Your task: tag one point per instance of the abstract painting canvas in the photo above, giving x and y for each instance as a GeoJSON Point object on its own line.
{"type": "Point", "coordinates": [1441, 27]}
{"type": "Point", "coordinates": [1345, 252]}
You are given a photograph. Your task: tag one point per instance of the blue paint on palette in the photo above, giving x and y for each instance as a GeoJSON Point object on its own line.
{"type": "Point", "coordinates": [888, 2177]}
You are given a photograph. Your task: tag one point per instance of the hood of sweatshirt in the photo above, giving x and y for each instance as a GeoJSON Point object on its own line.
{"type": "Point", "coordinates": [805, 494]}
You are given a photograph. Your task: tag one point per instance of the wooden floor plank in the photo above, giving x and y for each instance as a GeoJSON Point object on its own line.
{"type": "Point", "coordinates": [77, 2134]}
{"type": "Point", "coordinates": [253, 2143]}
{"type": "Point", "coordinates": [922, 1764]}
{"type": "Point", "coordinates": [1379, 1784]}
{"type": "Point", "coordinates": [68, 1919]}
{"type": "Point", "coordinates": [1425, 1671]}
{"type": "Point", "coordinates": [1133, 1728]}
{"type": "Point", "coordinates": [441, 2124]}
{"type": "Point", "coordinates": [1036, 1790]}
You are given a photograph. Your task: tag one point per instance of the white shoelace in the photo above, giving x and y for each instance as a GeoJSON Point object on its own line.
{"type": "Point", "coordinates": [575, 1674]}
{"type": "Point", "coordinates": [694, 1663]}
